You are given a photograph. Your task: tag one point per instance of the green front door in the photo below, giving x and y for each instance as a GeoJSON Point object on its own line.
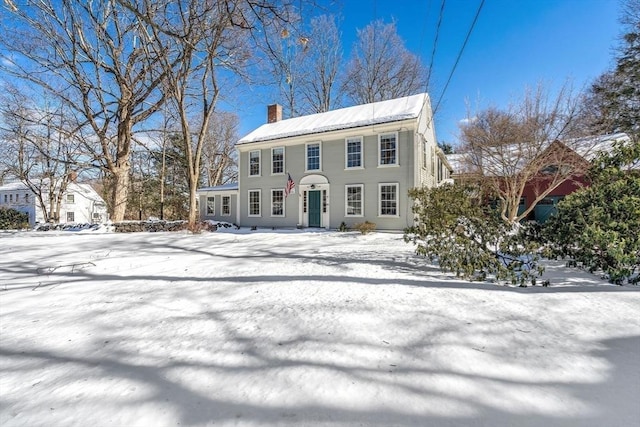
{"type": "Point", "coordinates": [315, 208]}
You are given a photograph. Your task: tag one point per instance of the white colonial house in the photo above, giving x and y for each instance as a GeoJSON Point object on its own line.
{"type": "Point", "coordinates": [349, 165]}
{"type": "Point", "coordinates": [80, 203]}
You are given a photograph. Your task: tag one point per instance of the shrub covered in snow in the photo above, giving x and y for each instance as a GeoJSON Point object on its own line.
{"type": "Point", "coordinates": [468, 238]}
{"type": "Point", "coordinates": [599, 227]}
{"type": "Point", "coordinates": [11, 219]}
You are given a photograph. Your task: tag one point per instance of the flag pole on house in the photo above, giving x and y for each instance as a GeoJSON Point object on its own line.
{"type": "Point", "coordinates": [290, 188]}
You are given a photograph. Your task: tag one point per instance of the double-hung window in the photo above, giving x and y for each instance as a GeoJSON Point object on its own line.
{"type": "Point", "coordinates": [254, 163]}
{"type": "Point", "coordinates": [277, 161]}
{"type": "Point", "coordinates": [313, 157]}
{"type": "Point", "coordinates": [226, 205]}
{"type": "Point", "coordinates": [277, 202]}
{"type": "Point", "coordinates": [211, 205]}
{"type": "Point", "coordinates": [354, 200]}
{"type": "Point", "coordinates": [388, 149]}
{"type": "Point", "coordinates": [388, 199]}
{"type": "Point", "coordinates": [254, 203]}
{"type": "Point", "coordinates": [71, 217]}
{"type": "Point", "coordinates": [70, 198]}
{"type": "Point", "coordinates": [353, 152]}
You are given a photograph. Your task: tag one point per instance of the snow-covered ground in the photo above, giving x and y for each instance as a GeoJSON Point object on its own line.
{"type": "Point", "coordinates": [300, 329]}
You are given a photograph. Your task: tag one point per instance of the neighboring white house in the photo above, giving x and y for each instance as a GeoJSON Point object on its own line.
{"type": "Point", "coordinates": [349, 165]}
{"type": "Point", "coordinates": [80, 203]}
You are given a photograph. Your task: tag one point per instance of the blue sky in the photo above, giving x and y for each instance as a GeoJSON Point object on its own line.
{"type": "Point", "coordinates": [515, 43]}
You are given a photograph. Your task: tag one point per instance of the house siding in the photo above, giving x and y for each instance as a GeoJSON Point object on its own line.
{"type": "Point", "coordinates": [218, 215]}
{"type": "Point", "coordinates": [333, 168]}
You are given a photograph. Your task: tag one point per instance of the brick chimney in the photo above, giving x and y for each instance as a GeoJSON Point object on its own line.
{"type": "Point", "coordinates": [274, 113]}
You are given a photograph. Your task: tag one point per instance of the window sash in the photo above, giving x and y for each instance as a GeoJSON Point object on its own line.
{"type": "Point", "coordinates": [226, 205]}
{"type": "Point", "coordinates": [254, 202]}
{"type": "Point", "coordinates": [313, 157]}
{"type": "Point", "coordinates": [353, 152]}
{"type": "Point", "coordinates": [277, 160]}
{"type": "Point", "coordinates": [254, 163]}
{"type": "Point", "coordinates": [388, 199]}
{"type": "Point", "coordinates": [388, 150]}
{"type": "Point", "coordinates": [277, 202]}
{"type": "Point", "coordinates": [211, 205]}
{"type": "Point", "coordinates": [354, 200]}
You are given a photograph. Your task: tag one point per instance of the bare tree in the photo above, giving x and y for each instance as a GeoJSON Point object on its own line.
{"type": "Point", "coordinates": [196, 44]}
{"type": "Point", "coordinates": [381, 67]}
{"type": "Point", "coordinates": [88, 55]}
{"type": "Point", "coordinates": [218, 161]}
{"type": "Point", "coordinates": [524, 145]}
{"type": "Point", "coordinates": [322, 62]}
{"type": "Point", "coordinates": [41, 147]}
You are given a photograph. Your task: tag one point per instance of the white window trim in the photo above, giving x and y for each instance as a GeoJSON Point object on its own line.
{"type": "Point", "coordinates": [207, 206]}
{"type": "Point", "coordinates": [70, 198]}
{"type": "Point", "coordinates": [395, 184]}
{"type": "Point", "coordinates": [283, 203]}
{"type": "Point", "coordinates": [259, 214]}
{"type": "Point", "coordinates": [346, 153]}
{"type": "Point", "coordinates": [397, 163]}
{"type": "Point", "coordinates": [284, 165]}
{"type": "Point", "coordinates": [346, 201]}
{"type": "Point", "coordinates": [306, 156]}
{"type": "Point", "coordinates": [222, 206]}
{"type": "Point", "coordinates": [259, 163]}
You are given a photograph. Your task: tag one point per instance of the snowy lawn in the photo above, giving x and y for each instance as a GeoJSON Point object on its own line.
{"type": "Point", "coordinates": [300, 329]}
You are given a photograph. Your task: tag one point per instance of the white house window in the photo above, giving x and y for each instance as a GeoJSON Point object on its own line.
{"type": "Point", "coordinates": [353, 203]}
{"type": "Point", "coordinates": [71, 198]}
{"type": "Point", "coordinates": [388, 196]}
{"type": "Point", "coordinates": [353, 152]}
{"type": "Point", "coordinates": [211, 205]}
{"type": "Point", "coordinates": [71, 217]}
{"type": "Point", "coordinates": [277, 160]}
{"type": "Point", "coordinates": [226, 205]}
{"type": "Point", "coordinates": [388, 149]}
{"type": "Point", "coordinates": [277, 202]}
{"type": "Point", "coordinates": [254, 163]}
{"type": "Point", "coordinates": [254, 202]}
{"type": "Point", "coordinates": [11, 198]}
{"type": "Point", "coordinates": [5, 198]}
{"type": "Point", "coordinates": [314, 153]}
{"type": "Point", "coordinates": [26, 198]}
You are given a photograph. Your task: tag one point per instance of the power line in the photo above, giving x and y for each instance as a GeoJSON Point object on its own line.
{"type": "Point", "coordinates": [435, 44]}
{"type": "Point", "coordinates": [475, 19]}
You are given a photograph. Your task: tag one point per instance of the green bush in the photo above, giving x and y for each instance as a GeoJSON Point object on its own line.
{"type": "Point", "coordinates": [11, 219]}
{"type": "Point", "coordinates": [598, 227]}
{"type": "Point", "coordinates": [468, 238]}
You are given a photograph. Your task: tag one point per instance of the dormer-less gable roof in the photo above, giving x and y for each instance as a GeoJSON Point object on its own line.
{"type": "Point", "coordinates": [408, 107]}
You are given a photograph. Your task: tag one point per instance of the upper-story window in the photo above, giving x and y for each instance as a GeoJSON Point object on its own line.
{"type": "Point", "coordinates": [26, 197]}
{"type": "Point", "coordinates": [388, 149]}
{"type": "Point", "coordinates": [277, 160]}
{"type": "Point", "coordinates": [353, 152]}
{"type": "Point", "coordinates": [71, 198]}
{"type": "Point", "coordinates": [10, 198]}
{"type": "Point", "coordinates": [314, 156]}
{"type": "Point", "coordinates": [254, 163]}
{"type": "Point", "coordinates": [5, 198]}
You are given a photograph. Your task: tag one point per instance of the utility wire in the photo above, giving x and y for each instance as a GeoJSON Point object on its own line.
{"type": "Point", "coordinates": [435, 44]}
{"type": "Point", "coordinates": [475, 19]}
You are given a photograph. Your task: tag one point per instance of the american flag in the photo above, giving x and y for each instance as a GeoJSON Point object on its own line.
{"type": "Point", "coordinates": [291, 186]}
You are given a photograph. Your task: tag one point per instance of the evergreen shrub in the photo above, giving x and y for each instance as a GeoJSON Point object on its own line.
{"type": "Point", "coordinates": [598, 227]}
{"type": "Point", "coordinates": [464, 236]}
{"type": "Point", "coordinates": [11, 219]}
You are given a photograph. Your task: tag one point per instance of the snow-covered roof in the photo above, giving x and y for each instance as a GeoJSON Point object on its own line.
{"type": "Point", "coordinates": [512, 159]}
{"type": "Point", "coordinates": [14, 186]}
{"type": "Point", "coordinates": [225, 187]}
{"type": "Point", "coordinates": [408, 107]}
